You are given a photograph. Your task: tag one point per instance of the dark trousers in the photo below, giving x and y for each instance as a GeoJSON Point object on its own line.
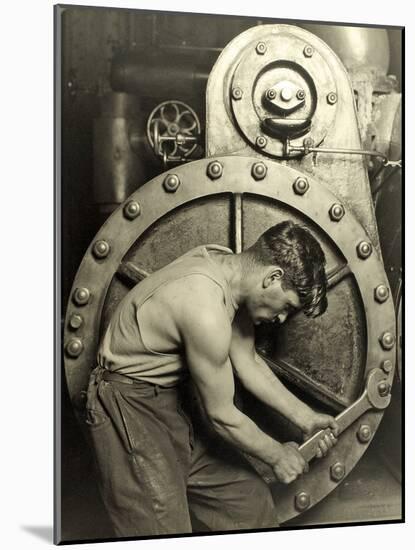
{"type": "Point", "coordinates": [155, 475]}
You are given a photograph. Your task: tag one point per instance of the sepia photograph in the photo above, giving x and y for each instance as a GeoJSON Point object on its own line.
{"type": "Point", "coordinates": [229, 299]}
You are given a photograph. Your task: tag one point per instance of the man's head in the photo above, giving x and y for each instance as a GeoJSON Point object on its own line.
{"type": "Point", "coordinates": [290, 275]}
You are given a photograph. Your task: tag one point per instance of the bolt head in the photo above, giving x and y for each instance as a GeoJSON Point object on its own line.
{"type": "Point", "coordinates": [331, 98]}
{"type": "Point", "coordinates": [364, 433]}
{"type": "Point", "coordinates": [337, 471]}
{"type": "Point", "coordinates": [381, 293]}
{"type": "Point", "coordinates": [171, 183]}
{"type": "Point", "coordinates": [259, 171]}
{"type": "Point", "coordinates": [300, 95]}
{"type": "Point", "coordinates": [302, 501]}
{"type": "Point", "coordinates": [81, 296]}
{"type": "Point", "coordinates": [308, 51]}
{"type": "Point", "coordinates": [261, 48]}
{"type": "Point", "coordinates": [301, 186]}
{"type": "Point", "coordinates": [75, 321]}
{"type": "Point", "coordinates": [271, 94]}
{"type": "Point", "coordinates": [74, 347]}
{"type": "Point", "coordinates": [384, 389]}
{"type": "Point", "coordinates": [387, 340]}
{"type": "Point", "coordinates": [286, 94]}
{"type": "Point", "coordinates": [214, 170]}
{"type": "Point", "coordinates": [261, 142]}
{"type": "Point", "coordinates": [237, 93]}
{"type": "Point", "coordinates": [101, 249]}
{"type": "Point", "coordinates": [336, 212]}
{"type": "Point", "coordinates": [131, 210]}
{"type": "Point", "coordinates": [387, 366]}
{"type": "Point", "coordinates": [364, 250]}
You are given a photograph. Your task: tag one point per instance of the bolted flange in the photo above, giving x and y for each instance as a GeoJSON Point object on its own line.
{"type": "Point", "coordinates": [308, 51]}
{"type": "Point", "coordinates": [384, 389]}
{"type": "Point", "coordinates": [387, 340]}
{"type": "Point", "coordinates": [364, 433]}
{"type": "Point", "coordinates": [131, 210]}
{"type": "Point", "coordinates": [302, 501]}
{"type": "Point", "coordinates": [261, 48]}
{"type": "Point", "coordinates": [381, 293]}
{"type": "Point", "coordinates": [214, 170]}
{"type": "Point", "coordinates": [336, 212]}
{"type": "Point", "coordinates": [337, 471]}
{"type": "Point", "coordinates": [75, 321]}
{"type": "Point", "coordinates": [259, 171]}
{"type": "Point", "coordinates": [364, 250]}
{"type": "Point", "coordinates": [301, 186]}
{"type": "Point", "coordinates": [387, 366]}
{"type": "Point", "coordinates": [237, 93]}
{"type": "Point", "coordinates": [81, 296]}
{"type": "Point", "coordinates": [101, 249]}
{"type": "Point", "coordinates": [74, 347]}
{"type": "Point", "coordinates": [331, 98]}
{"type": "Point", "coordinates": [171, 183]}
{"type": "Point", "coordinates": [261, 142]}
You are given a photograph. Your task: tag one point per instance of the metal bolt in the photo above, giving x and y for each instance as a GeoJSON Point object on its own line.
{"type": "Point", "coordinates": [131, 210]}
{"type": "Point", "coordinates": [364, 433]}
{"type": "Point", "coordinates": [75, 321]}
{"type": "Point", "coordinates": [286, 94]}
{"type": "Point", "coordinates": [171, 183]}
{"type": "Point", "coordinates": [331, 98]}
{"type": "Point", "coordinates": [301, 186]}
{"type": "Point", "coordinates": [302, 501]}
{"type": "Point", "coordinates": [101, 249]}
{"type": "Point", "coordinates": [308, 51]}
{"type": "Point", "coordinates": [74, 347]}
{"type": "Point", "coordinates": [387, 366]}
{"type": "Point", "coordinates": [81, 296]}
{"type": "Point", "coordinates": [383, 389]}
{"type": "Point", "coordinates": [271, 94]}
{"type": "Point", "coordinates": [364, 250]}
{"type": "Point", "coordinates": [300, 94]}
{"type": "Point", "coordinates": [337, 471]}
{"type": "Point", "coordinates": [259, 171]}
{"type": "Point", "coordinates": [214, 170]}
{"type": "Point", "coordinates": [237, 93]}
{"type": "Point", "coordinates": [381, 293]}
{"type": "Point", "coordinates": [261, 142]}
{"type": "Point", "coordinates": [261, 48]}
{"type": "Point", "coordinates": [387, 340]}
{"type": "Point", "coordinates": [336, 212]}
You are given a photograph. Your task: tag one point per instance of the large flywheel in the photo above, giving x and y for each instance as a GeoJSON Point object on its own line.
{"type": "Point", "coordinates": [342, 362]}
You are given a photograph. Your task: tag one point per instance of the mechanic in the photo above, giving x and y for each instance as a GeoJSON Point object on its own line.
{"type": "Point", "coordinates": [166, 459]}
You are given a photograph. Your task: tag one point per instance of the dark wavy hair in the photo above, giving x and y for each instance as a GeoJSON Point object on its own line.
{"type": "Point", "coordinates": [294, 249]}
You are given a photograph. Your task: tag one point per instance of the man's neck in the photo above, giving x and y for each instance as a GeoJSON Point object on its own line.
{"type": "Point", "coordinates": [232, 266]}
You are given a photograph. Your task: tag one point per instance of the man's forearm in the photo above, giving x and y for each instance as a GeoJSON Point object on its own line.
{"type": "Point", "coordinates": [265, 385]}
{"type": "Point", "coordinates": [239, 430]}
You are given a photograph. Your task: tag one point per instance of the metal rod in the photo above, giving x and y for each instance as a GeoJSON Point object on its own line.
{"type": "Point", "coordinates": [237, 218]}
{"type": "Point", "coordinates": [337, 274]}
{"type": "Point", "coordinates": [307, 150]}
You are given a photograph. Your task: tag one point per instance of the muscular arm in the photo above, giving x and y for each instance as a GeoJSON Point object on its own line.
{"type": "Point", "coordinates": [206, 333]}
{"type": "Point", "coordinates": [259, 379]}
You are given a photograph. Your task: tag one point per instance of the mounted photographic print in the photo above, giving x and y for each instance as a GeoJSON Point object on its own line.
{"type": "Point", "coordinates": [229, 274]}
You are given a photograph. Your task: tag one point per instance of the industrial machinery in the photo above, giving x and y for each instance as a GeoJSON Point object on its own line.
{"type": "Point", "coordinates": [284, 138]}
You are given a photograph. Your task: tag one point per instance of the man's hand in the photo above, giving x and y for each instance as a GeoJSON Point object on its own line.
{"type": "Point", "coordinates": [290, 463]}
{"type": "Point", "coordinates": [319, 422]}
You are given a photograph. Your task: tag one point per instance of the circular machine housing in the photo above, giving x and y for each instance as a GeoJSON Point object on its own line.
{"type": "Point", "coordinates": [230, 201]}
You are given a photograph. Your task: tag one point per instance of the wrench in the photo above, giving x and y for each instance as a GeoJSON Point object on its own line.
{"type": "Point", "coordinates": [376, 396]}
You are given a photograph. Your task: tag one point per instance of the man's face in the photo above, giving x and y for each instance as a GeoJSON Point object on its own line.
{"type": "Point", "coordinates": [271, 303]}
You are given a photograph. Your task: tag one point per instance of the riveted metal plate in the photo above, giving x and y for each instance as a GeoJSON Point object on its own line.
{"type": "Point", "coordinates": [238, 185]}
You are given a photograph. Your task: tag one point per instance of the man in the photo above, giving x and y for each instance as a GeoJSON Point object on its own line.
{"type": "Point", "coordinates": [160, 468]}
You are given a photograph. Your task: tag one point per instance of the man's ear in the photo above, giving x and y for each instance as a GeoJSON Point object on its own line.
{"type": "Point", "coordinates": [275, 274]}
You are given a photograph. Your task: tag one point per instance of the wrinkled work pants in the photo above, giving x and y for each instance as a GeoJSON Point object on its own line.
{"type": "Point", "coordinates": [154, 475]}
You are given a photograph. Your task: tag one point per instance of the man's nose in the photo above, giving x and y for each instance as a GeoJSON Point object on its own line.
{"type": "Point", "coordinates": [281, 317]}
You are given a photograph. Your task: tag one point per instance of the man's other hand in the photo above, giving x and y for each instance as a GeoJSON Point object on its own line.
{"type": "Point", "coordinates": [290, 463]}
{"type": "Point", "coordinates": [319, 422]}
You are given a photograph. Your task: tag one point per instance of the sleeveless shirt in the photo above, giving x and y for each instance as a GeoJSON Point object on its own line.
{"type": "Point", "coordinates": [122, 348]}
